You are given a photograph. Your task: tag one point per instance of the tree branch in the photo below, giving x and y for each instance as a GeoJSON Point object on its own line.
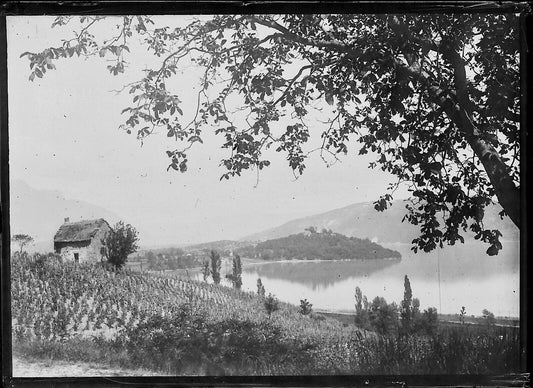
{"type": "Point", "coordinates": [507, 192]}
{"type": "Point", "coordinates": [334, 45]}
{"type": "Point", "coordinates": [292, 81]}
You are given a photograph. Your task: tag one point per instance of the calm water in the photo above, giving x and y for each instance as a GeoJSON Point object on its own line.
{"type": "Point", "coordinates": [468, 277]}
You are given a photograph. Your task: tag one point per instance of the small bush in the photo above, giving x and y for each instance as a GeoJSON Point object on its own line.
{"type": "Point", "coordinates": [260, 288]}
{"type": "Point", "coordinates": [305, 307]}
{"type": "Point", "coordinates": [271, 304]}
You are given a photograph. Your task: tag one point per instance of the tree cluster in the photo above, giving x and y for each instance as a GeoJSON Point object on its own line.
{"type": "Point", "coordinates": [170, 260]}
{"type": "Point", "coordinates": [385, 318]}
{"type": "Point", "coordinates": [312, 245]}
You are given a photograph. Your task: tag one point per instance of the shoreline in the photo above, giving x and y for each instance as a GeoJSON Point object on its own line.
{"type": "Point", "coordinates": [444, 318]}
{"type": "Point", "coordinates": [248, 261]}
{"type": "Point", "coordinates": [312, 260]}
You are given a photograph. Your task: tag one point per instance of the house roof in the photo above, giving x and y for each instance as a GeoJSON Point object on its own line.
{"type": "Point", "coordinates": [79, 231]}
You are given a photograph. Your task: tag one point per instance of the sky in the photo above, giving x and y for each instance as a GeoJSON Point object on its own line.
{"type": "Point", "coordinates": [64, 136]}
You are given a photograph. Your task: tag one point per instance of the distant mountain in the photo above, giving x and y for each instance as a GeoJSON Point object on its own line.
{"type": "Point", "coordinates": [39, 213]}
{"type": "Point", "coordinates": [363, 221]}
{"type": "Point", "coordinates": [313, 245]}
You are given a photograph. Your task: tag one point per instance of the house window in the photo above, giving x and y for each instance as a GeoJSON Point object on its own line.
{"type": "Point", "coordinates": [76, 257]}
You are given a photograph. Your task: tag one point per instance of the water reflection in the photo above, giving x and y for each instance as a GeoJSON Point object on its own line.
{"type": "Point", "coordinates": [468, 277]}
{"type": "Point", "coordinates": [319, 274]}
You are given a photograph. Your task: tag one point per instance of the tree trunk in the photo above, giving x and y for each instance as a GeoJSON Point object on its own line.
{"type": "Point", "coordinates": [499, 174]}
{"type": "Point", "coordinates": [506, 191]}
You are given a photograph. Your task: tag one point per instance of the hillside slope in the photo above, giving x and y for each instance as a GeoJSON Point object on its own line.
{"type": "Point", "coordinates": [313, 245]}
{"type": "Point", "coordinates": [363, 221]}
{"type": "Point", "coordinates": [166, 323]}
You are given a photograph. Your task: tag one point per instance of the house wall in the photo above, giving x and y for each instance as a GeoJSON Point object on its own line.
{"type": "Point", "coordinates": [67, 250]}
{"type": "Point", "coordinates": [88, 251]}
{"type": "Point", "coordinates": [94, 250]}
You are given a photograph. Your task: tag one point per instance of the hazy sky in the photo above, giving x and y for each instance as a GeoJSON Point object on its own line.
{"type": "Point", "coordinates": [64, 136]}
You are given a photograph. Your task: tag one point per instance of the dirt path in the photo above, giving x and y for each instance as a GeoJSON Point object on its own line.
{"type": "Point", "coordinates": [55, 368]}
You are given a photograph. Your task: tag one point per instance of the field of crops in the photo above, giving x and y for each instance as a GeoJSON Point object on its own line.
{"type": "Point", "coordinates": [53, 301]}
{"type": "Point", "coordinates": [61, 300]}
{"type": "Point", "coordinates": [178, 325]}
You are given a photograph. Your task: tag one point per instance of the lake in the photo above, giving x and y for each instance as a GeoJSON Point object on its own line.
{"type": "Point", "coordinates": [468, 277]}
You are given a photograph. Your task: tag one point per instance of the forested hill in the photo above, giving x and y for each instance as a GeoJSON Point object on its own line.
{"type": "Point", "coordinates": [313, 245]}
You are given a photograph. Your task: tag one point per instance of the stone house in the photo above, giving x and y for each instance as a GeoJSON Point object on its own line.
{"type": "Point", "coordinates": [81, 241]}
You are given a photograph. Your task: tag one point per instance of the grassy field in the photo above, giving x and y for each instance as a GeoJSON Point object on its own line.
{"type": "Point", "coordinates": [175, 325]}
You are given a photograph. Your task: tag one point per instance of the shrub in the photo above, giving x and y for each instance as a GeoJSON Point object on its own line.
{"type": "Point", "coordinates": [271, 304]}
{"type": "Point", "coordinates": [305, 307]}
{"type": "Point", "coordinates": [260, 288]}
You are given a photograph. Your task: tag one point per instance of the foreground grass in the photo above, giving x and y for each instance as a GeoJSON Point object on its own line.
{"type": "Point", "coordinates": [71, 358]}
{"type": "Point", "coordinates": [178, 326]}
{"type": "Point", "coordinates": [187, 345]}
{"type": "Point", "coordinates": [72, 350]}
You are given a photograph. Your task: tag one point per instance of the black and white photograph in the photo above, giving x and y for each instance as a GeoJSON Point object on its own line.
{"type": "Point", "coordinates": [270, 194]}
